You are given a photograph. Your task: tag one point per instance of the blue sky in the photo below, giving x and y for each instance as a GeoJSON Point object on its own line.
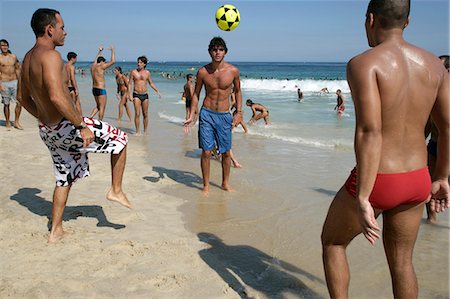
{"type": "Point", "coordinates": [298, 31]}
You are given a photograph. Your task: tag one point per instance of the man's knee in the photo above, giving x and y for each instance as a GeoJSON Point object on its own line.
{"type": "Point", "coordinates": [206, 154]}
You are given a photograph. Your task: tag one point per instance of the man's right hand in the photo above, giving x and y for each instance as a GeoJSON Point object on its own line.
{"type": "Point", "coordinates": [87, 135]}
{"type": "Point", "coordinates": [187, 125]}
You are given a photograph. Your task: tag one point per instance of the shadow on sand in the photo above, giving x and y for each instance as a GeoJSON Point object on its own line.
{"type": "Point", "coordinates": [28, 198]}
{"type": "Point", "coordinates": [245, 265]}
{"type": "Point", "coordinates": [186, 178]}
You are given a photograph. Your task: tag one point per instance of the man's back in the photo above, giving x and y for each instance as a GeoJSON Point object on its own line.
{"type": "Point", "coordinates": [406, 80]}
{"type": "Point", "coordinates": [98, 75]}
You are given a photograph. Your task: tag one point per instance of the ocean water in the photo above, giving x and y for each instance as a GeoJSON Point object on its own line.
{"type": "Point", "coordinates": [267, 231]}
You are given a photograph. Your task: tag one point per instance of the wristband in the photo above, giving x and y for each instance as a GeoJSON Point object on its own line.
{"type": "Point", "coordinates": [81, 126]}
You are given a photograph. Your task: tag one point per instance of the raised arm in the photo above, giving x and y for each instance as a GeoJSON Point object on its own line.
{"type": "Point", "coordinates": [113, 58]}
{"type": "Point", "coordinates": [100, 50]}
{"type": "Point", "coordinates": [368, 139]}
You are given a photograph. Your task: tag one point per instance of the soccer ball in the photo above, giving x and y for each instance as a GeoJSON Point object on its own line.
{"type": "Point", "coordinates": [227, 17]}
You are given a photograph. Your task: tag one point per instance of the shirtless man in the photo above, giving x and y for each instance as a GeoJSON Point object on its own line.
{"type": "Point", "coordinates": [9, 83]}
{"type": "Point", "coordinates": [139, 93]}
{"type": "Point", "coordinates": [98, 68]}
{"type": "Point", "coordinates": [215, 120]}
{"type": "Point", "coordinates": [68, 136]}
{"type": "Point", "coordinates": [263, 112]}
{"type": "Point", "coordinates": [72, 83]}
{"type": "Point", "coordinates": [188, 91]}
{"type": "Point", "coordinates": [395, 86]}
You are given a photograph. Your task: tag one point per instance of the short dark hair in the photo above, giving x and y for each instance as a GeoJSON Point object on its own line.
{"type": "Point", "coordinates": [4, 41]}
{"type": "Point", "coordinates": [189, 76]}
{"type": "Point", "coordinates": [41, 18]}
{"type": "Point", "coordinates": [217, 42]}
{"type": "Point", "coordinates": [101, 59]}
{"type": "Point", "coordinates": [143, 59]}
{"type": "Point", "coordinates": [71, 55]}
{"type": "Point", "coordinates": [392, 13]}
{"type": "Point", "coordinates": [249, 102]}
{"type": "Point", "coordinates": [446, 62]}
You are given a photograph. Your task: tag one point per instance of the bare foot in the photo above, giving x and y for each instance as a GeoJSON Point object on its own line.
{"type": "Point", "coordinates": [18, 126]}
{"type": "Point", "coordinates": [227, 187]}
{"type": "Point", "coordinates": [56, 236]}
{"type": "Point", "coordinates": [431, 219]}
{"type": "Point", "coordinates": [137, 134]}
{"type": "Point", "coordinates": [119, 197]}
{"type": "Point", "coordinates": [236, 164]}
{"type": "Point", "coordinates": [8, 126]}
{"type": "Point", "coordinates": [205, 190]}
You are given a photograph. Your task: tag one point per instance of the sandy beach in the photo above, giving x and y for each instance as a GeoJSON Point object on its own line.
{"type": "Point", "coordinates": [111, 252]}
{"type": "Point", "coordinates": [260, 241]}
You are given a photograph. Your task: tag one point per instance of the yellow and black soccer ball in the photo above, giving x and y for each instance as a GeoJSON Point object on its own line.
{"type": "Point", "coordinates": [227, 17]}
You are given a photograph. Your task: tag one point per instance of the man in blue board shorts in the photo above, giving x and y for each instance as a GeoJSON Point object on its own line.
{"type": "Point", "coordinates": [215, 121]}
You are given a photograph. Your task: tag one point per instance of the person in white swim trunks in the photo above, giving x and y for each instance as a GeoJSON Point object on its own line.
{"type": "Point", "coordinates": [63, 129]}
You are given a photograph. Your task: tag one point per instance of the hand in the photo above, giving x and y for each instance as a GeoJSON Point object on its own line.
{"type": "Point", "coordinates": [237, 118]}
{"type": "Point", "coordinates": [100, 48]}
{"type": "Point", "coordinates": [87, 135]}
{"type": "Point", "coordinates": [111, 48]}
{"type": "Point", "coordinates": [187, 125]}
{"type": "Point", "coordinates": [369, 225]}
{"type": "Point", "coordinates": [439, 196]}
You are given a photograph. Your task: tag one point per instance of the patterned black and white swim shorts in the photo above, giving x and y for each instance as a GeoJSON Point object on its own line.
{"type": "Point", "coordinates": [70, 160]}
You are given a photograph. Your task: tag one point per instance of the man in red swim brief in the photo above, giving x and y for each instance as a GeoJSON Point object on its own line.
{"type": "Point", "coordinates": [393, 189]}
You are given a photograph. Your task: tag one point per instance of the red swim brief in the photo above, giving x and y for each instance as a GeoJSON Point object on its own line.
{"type": "Point", "coordinates": [393, 189]}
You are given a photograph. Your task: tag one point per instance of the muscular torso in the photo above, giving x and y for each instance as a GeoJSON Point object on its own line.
{"type": "Point", "coordinates": [32, 77]}
{"type": "Point", "coordinates": [98, 76]}
{"type": "Point", "coordinates": [407, 79]}
{"type": "Point", "coordinates": [8, 67]}
{"type": "Point", "coordinates": [140, 79]}
{"type": "Point", "coordinates": [218, 85]}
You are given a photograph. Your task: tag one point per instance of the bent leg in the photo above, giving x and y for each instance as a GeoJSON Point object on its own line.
{"type": "Point", "coordinates": [340, 227]}
{"type": "Point", "coordinates": [118, 162]}
{"type": "Point", "coordinates": [60, 195]}
{"type": "Point", "coordinates": [400, 228]}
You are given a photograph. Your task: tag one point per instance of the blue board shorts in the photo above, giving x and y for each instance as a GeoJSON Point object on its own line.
{"type": "Point", "coordinates": [214, 128]}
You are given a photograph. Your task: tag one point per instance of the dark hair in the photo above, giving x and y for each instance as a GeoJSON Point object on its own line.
{"type": "Point", "coordinates": [4, 41]}
{"type": "Point", "coordinates": [71, 55]}
{"type": "Point", "coordinates": [143, 59]}
{"type": "Point", "coordinates": [445, 58]}
{"type": "Point", "coordinates": [101, 59]}
{"type": "Point", "coordinates": [249, 102]}
{"type": "Point", "coordinates": [119, 69]}
{"type": "Point", "coordinates": [41, 18]}
{"type": "Point", "coordinates": [189, 76]}
{"type": "Point", "coordinates": [217, 42]}
{"type": "Point", "coordinates": [392, 13]}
